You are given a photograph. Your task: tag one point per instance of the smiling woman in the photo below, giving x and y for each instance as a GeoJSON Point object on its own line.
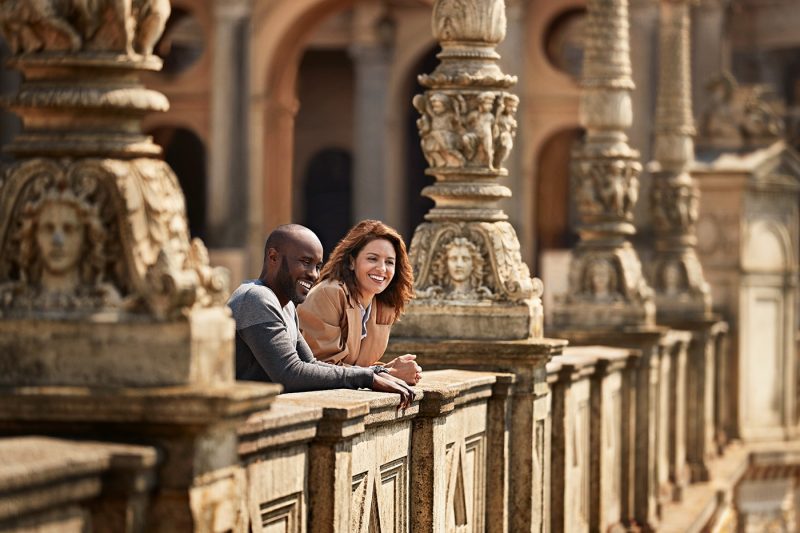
{"type": "Point", "coordinates": [363, 289]}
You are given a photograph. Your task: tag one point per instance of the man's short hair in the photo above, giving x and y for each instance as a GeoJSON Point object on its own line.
{"type": "Point", "coordinates": [281, 235]}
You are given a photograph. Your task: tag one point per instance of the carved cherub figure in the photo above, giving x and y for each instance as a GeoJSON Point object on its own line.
{"type": "Point", "coordinates": [33, 25]}
{"type": "Point", "coordinates": [478, 141]}
{"type": "Point", "coordinates": [439, 129]}
{"type": "Point", "coordinates": [505, 128]}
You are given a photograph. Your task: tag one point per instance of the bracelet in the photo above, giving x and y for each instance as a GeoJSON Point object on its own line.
{"type": "Point", "coordinates": [379, 369]}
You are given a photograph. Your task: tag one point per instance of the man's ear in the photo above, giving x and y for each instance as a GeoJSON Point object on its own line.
{"type": "Point", "coordinates": [273, 255]}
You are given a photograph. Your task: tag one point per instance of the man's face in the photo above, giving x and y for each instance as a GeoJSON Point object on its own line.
{"type": "Point", "coordinates": [300, 264]}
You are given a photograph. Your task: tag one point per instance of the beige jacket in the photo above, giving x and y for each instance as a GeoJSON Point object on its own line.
{"type": "Point", "coordinates": [330, 321]}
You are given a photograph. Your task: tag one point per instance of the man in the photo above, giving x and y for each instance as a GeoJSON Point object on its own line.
{"type": "Point", "coordinates": [269, 346]}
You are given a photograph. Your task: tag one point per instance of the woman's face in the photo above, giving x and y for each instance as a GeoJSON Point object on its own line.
{"type": "Point", "coordinates": [374, 268]}
{"type": "Point", "coordinates": [59, 236]}
{"type": "Point", "coordinates": [459, 263]}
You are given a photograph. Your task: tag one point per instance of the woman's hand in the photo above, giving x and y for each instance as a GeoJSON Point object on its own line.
{"type": "Point", "coordinates": [385, 383]}
{"type": "Point", "coordinates": [406, 368]}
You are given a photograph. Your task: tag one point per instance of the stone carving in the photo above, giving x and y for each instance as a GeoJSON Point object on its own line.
{"type": "Point", "coordinates": [681, 290]}
{"type": "Point", "coordinates": [439, 129]}
{"type": "Point", "coordinates": [675, 207]}
{"type": "Point", "coordinates": [122, 26]}
{"type": "Point", "coordinates": [740, 115]}
{"type": "Point", "coordinates": [469, 129]}
{"type": "Point", "coordinates": [469, 20]}
{"type": "Point", "coordinates": [470, 262]}
{"type": "Point", "coordinates": [60, 244]}
{"type": "Point", "coordinates": [505, 128]}
{"type": "Point", "coordinates": [63, 248]}
{"type": "Point", "coordinates": [605, 172]}
{"type": "Point", "coordinates": [466, 256]}
{"type": "Point", "coordinates": [606, 186]}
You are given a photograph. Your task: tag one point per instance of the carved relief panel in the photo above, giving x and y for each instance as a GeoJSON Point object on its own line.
{"type": "Point", "coordinates": [380, 479]}
{"type": "Point", "coordinates": [465, 460]}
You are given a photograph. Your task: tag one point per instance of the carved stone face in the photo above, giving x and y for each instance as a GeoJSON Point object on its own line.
{"type": "Point", "coordinates": [459, 263]}
{"type": "Point", "coordinates": [600, 278]}
{"type": "Point", "coordinates": [672, 278]}
{"type": "Point", "coordinates": [59, 237]}
{"type": "Point", "coordinates": [437, 106]}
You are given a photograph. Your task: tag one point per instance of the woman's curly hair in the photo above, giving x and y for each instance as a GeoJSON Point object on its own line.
{"type": "Point", "coordinates": [400, 289]}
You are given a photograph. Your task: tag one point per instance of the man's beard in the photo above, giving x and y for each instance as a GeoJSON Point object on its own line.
{"type": "Point", "coordinates": [286, 284]}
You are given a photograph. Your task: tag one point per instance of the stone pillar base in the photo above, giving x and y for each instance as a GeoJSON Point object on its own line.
{"type": "Point", "coordinates": [465, 320]}
{"type": "Point", "coordinates": [112, 351]}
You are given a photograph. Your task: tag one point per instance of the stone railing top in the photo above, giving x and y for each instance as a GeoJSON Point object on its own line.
{"type": "Point", "coordinates": [512, 353]}
{"type": "Point", "coordinates": [175, 405]}
{"type": "Point", "coordinates": [608, 358]}
{"type": "Point", "coordinates": [571, 367]}
{"type": "Point", "coordinates": [676, 336]}
{"type": "Point", "coordinates": [346, 413]}
{"type": "Point", "coordinates": [36, 463]}
{"type": "Point", "coordinates": [445, 389]}
{"type": "Point", "coordinates": [285, 424]}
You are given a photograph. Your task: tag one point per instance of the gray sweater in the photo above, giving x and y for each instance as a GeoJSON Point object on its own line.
{"type": "Point", "coordinates": [269, 346]}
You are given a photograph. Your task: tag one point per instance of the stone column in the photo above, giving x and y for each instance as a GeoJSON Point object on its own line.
{"type": "Point", "coordinates": [683, 297]}
{"type": "Point", "coordinates": [228, 150]}
{"type": "Point", "coordinates": [470, 280]}
{"type": "Point", "coordinates": [676, 272]}
{"type": "Point", "coordinates": [372, 62]}
{"type": "Point", "coordinates": [606, 285]}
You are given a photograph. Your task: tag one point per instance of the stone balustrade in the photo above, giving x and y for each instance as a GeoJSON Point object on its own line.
{"type": "Point", "coordinates": [351, 461]}
{"type": "Point", "coordinates": [53, 485]}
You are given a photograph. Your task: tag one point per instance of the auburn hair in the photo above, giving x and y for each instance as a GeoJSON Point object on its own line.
{"type": "Point", "coordinates": [337, 268]}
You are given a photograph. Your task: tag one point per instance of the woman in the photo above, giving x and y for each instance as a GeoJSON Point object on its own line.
{"type": "Point", "coordinates": [362, 291]}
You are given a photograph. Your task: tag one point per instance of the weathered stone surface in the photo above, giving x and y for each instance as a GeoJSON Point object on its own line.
{"type": "Point", "coordinates": [748, 230]}
{"type": "Point", "coordinates": [607, 288]}
{"type": "Point", "coordinates": [529, 442]}
{"type": "Point", "coordinates": [55, 485]}
{"type": "Point", "coordinates": [197, 350]}
{"type": "Point", "coordinates": [466, 256]}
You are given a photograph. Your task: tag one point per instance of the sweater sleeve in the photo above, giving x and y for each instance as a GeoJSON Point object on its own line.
{"type": "Point", "coordinates": [292, 365]}
{"type": "Point", "coordinates": [323, 324]}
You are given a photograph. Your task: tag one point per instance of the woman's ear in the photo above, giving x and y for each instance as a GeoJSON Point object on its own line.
{"type": "Point", "coordinates": [351, 262]}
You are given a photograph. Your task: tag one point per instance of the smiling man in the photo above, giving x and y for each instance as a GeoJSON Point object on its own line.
{"type": "Point", "coordinates": [268, 344]}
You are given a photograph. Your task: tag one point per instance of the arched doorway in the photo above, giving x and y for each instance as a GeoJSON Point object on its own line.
{"type": "Point", "coordinates": [186, 154]}
{"type": "Point", "coordinates": [555, 217]}
{"type": "Point", "coordinates": [327, 194]}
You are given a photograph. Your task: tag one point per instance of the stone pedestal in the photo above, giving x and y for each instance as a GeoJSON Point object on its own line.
{"type": "Point", "coordinates": [747, 240]}
{"type": "Point", "coordinates": [528, 426]}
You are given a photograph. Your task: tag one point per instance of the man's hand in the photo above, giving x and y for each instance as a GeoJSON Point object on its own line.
{"type": "Point", "coordinates": [384, 383]}
{"type": "Point", "coordinates": [406, 368]}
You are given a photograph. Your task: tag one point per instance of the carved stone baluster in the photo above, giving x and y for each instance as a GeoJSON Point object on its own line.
{"type": "Point", "coordinates": [470, 280]}
{"type": "Point", "coordinates": [676, 273]}
{"type": "Point", "coordinates": [606, 285]}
